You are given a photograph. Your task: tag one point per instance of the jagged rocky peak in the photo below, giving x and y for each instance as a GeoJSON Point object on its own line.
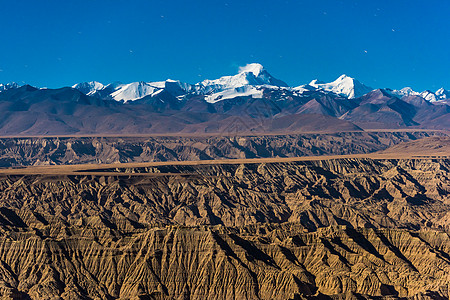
{"type": "Point", "coordinates": [442, 94]}
{"type": "Point", "coordinates": [90, 87]}
{"type": "Point", "coordinates": [8, 86]}
{"type": "Point", "coordinates": [138, 90]}
{"type": "Point", "coordinates": [256, 74]}
{"type": "Point", "coordinates": [134, 91]}
{"type": "Point", "coordinates": [407, 91]}
{"type": "Point", "coordinates": [131, 91]}
{"type": "Point", "coordinates": [429, 96]}
{"type": "Point", "coordinates": [344, 86]}
{"type": "Point", "coordinates": [176, 87]}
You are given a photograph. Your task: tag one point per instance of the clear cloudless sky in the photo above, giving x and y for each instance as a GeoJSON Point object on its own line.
{"type": "Point", "coordinates": [396, 43]}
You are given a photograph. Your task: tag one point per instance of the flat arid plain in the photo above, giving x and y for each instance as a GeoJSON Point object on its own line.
{"type": "Point", "coordinates": [340, 225]}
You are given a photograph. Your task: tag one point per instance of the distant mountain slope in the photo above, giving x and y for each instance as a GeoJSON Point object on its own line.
{"type": "Point", "coordinates": [30, 111]}
{"type": "Point", "coordinates": [7, 86]}
{"type": "Point", "coordinates": [439, 96]}
{"type": "Point", "coordinates": [431, 145]}
{"type": "Point", "coordinates": [252, 101]}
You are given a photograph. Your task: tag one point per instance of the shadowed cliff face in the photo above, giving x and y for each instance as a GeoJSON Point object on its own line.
{"type": "Point", "coordinates": [78, 150]}
{"type": "Point", "coordinates": [341, 228]}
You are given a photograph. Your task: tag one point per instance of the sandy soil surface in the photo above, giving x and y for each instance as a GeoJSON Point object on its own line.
{"type": "Point", "coordinates": [93, 169]}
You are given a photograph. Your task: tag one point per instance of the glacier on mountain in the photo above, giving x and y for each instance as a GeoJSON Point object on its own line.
{"type": "Point", "coordinates": [344, 86]}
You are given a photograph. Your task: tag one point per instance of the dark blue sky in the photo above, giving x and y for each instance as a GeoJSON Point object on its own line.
{"type": "Point", "coordinates": [382, 43]}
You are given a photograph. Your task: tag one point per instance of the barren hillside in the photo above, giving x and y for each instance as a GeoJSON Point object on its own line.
{"type": "Point", "coordinates": [337, 227]}
{"type": "Point", "coordinates": [103, 149]}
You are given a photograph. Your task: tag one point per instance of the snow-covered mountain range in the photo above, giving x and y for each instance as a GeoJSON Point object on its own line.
{"type": "Point", "coordinates": [247, 82]}
{"type": "Point", "coordinates": [250, 101]}
{"type": "Point", "coordinates": [343, 86]}
{"type": "Point", "coordinates": [440, 95]}
{"type": "Point", "coordinates": [4, 87]}
{"type": "Point", "coordinates": [131, 91]}
{"type": "Point", "coordinates": [251, 81]}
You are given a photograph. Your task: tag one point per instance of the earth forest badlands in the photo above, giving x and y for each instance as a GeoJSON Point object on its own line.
{"type": "Point", "coordinates": [236, 188]}
{"type": "Point", "coordinates": [298, 150]}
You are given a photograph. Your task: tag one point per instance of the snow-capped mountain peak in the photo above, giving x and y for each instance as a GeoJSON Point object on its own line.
{"type": "Point", "coordinates": [249, 81]}
{"type": "Point", "coordinates": [254, 68]}
{"type": "Point", "coordinates": [344, 85]}
{"type": "Point", "coordinates": [249, 75]}
{"type": "Point", "coordinates": [406, 91]}
{"type": "Point", "coordinates": [137, 90]}
{"type": "Point", "coordinates": [131, 91]}
{"type": "Point", "coordinates": [89, 88]}
{"type": "Point", "coordinates": [344, 77]}
{"type": "Point", "coordinates": [134, 91]}
{"type": "Point", "coordinates": [8, 86]}
{"type": "Point", "coordinates": [429, 96]}
{"type": "Point", "coordinates": [442, 94]}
